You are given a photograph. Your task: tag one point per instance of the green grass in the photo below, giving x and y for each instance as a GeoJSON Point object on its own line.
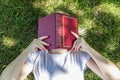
{"type": "Point", "coordinates": [18, 25]}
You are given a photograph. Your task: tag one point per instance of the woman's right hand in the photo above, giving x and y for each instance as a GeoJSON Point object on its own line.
{"type": "Point", "coordinates": [80, 44]}
{"type": "Point", "coordinates": [39, 43]}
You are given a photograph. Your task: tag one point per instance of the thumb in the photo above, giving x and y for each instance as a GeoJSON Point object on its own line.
{"type": "Point", "coordinates": [75, 34]}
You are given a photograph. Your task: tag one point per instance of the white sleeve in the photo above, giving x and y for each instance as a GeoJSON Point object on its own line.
{"type": "Point", "coordinates": [84, 57]}
{"type": "Point", "coordinates": [32, 57]}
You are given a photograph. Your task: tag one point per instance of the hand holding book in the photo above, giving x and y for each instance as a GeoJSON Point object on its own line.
{"type": "Point", "coordinates": [39, 43]}
{"type": "Point", "coordinates": [106, 66]}
{"type": "Point", "coordinates": [79, 44]}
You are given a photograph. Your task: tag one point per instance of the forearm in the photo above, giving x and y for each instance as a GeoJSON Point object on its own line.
{"type": "Point", "coordinates": [15, 66]}
{"type": "Point", "coordinates": [26, 69]}
{"type": "Point", "coordinates": [91, 64]}
{"type": "Point", "coordinates": [12, 71]}
{"type": "Point", "coordinates": [29, 50]}
{"type": "Point", "coordinates": [107, 67]}
{"type": "Point", "coordinates": [35, 44]}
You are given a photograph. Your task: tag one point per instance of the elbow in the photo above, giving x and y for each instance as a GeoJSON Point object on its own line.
{"type": "Point", "coordinates": [13, 78]}
{"type": "Point", "coordinates": [114, 76]}
{"type": "Point", "coordinates": [113, 73]}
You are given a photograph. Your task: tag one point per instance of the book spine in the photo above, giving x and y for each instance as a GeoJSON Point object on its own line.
{"type": "Point", "coordinates": [58, 38]}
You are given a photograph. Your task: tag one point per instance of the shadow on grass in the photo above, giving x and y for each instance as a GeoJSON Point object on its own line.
{"type": "Point", "coordinates": [18, 27]}
{"type": "Point", "coordinates": [106, 36]}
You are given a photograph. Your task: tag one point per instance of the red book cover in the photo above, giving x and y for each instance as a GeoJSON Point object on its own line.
{"type": "Point", "coordinates": [58, 27]}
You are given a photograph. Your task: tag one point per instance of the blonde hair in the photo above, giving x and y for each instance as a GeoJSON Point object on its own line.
{"type": "Point", "coordinates": [58, 11]}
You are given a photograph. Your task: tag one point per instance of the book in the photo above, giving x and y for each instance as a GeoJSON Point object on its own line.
{"type": "Point", "coordinates": [58, 27]}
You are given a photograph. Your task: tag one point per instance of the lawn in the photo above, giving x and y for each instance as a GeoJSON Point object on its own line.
{"type": "Point", "coordinates": [19, 22]}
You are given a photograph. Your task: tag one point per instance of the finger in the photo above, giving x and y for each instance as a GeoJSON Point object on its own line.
{"type": "Point", "coordinates": [43, 37]}
{"type": "Point", "coordinates": [73, 47]}
{"type": "Point", "coordinates": [42, 42]}
{"type": "Point", "coordinates": [77, 44]}
{"type": "Point", "coordinates": [78, 47]}
{"type": "Point", "coordinates": [78, 41]}
{"type": "Point", "coordinates": [75, 34]}
{"type": "Point", "coordinates": [40, 46]}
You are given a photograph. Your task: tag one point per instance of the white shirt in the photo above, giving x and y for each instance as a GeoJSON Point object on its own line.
{"type": "Point", "coordinates": [65, 66]}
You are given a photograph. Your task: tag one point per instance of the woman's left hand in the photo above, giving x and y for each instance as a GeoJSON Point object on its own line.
{"type": "Point", "coordinates": [79, 44]}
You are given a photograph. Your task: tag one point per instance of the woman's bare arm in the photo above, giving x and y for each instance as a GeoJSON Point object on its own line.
{"type": "Point", "coordinates": [25, 70]}
{"type": "Point", "coordinates": [12, 71]}
{"type": "Point", "coordinates": [91, 64]}
{"type": "Point", "coordinates": [106, 67]}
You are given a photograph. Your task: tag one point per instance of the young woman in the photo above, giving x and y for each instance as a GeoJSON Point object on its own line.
{"type": "Point", "coordinates": [64, 64]}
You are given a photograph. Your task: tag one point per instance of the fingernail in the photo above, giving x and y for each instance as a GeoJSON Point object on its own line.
{"type": "Point", "coordinates": [72, 48]}
{"type": "Point", "coordinates": [49, 44]}
{"type": "Point", "coordinates": [46, 48]}
{"type": "Point", "coordinates": [80, 46]}
{"type": "Point", "coordinates": [48, 36]}
{"type": "Point", "coordinates": [38, 49]}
